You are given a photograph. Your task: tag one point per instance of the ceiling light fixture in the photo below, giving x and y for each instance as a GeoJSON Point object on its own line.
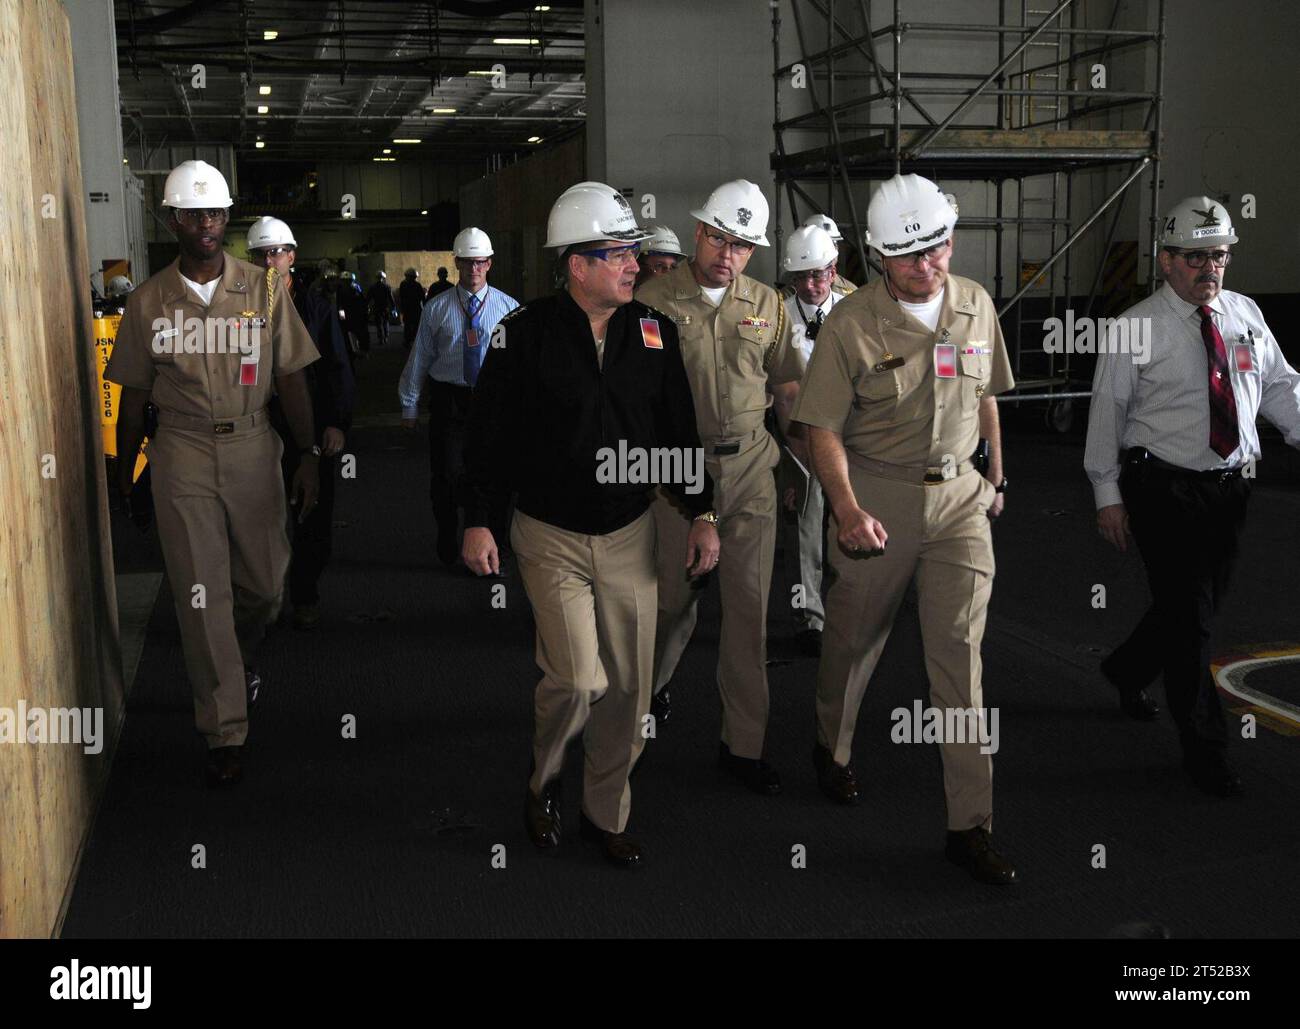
{"type": "Point", "coordinates": [260, 145]}
{"type": "Point", "coordinates": [534, 139]}
{"type": "Point", "coordinates": [269, 34]}
{"type": "Point", "coordinates": [444, 110]}
{"type": "Point", "coordinates": [263, 109]}
{"type": "Point", "coordinates": [514, 41]}
{"type": "Point", "coordinates": [408, 141]}
{"type": "Point", "coordinates": [264, 90]}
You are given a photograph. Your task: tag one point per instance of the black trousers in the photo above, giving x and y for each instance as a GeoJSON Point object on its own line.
{"type": "Point", "coordinates": [312, 539]}
{"type": "Point", "coordinates": [448, 415]}
{"type": "Point", "coordinates": [1187, 526]}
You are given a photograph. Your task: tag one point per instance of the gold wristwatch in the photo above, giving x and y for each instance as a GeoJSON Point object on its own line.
{"type": "Point", "coordinates": [708, 516]}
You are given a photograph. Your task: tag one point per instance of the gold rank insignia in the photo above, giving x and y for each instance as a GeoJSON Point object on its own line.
{"type": "Point", "coordinates": [979, 391]}
{"type": "Point", "coordinates": [248, 314]}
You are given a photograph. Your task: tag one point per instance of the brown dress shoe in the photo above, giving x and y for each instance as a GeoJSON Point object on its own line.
{"type": "Point", "coordinates": [755, 773]}
{"type": "Point", "coordinates": [542, 816]}
{"type": "Point", "coordinates": [973, 850]}
{"type": "Point", "coordinates": [836, 781]}
{"type": "Point", "coordinates": [619, 848]}
{"type": "Point", "coordinates": [224, 769]}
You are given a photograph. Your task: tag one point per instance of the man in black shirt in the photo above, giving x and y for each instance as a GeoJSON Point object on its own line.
{"type": "Point", "coordinates": [582, 407]}
{"type": "Point", "coordinates": [410, 299]}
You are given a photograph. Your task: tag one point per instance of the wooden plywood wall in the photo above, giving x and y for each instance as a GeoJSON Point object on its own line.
{"type": "Point", "coordinates": [58, 619]}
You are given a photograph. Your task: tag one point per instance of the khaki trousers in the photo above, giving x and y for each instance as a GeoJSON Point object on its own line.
{"type": "Point", "coordinates": [744, 495]}
{"type": "Point", "coordinates": [940, 535]}
{"type": "Point", "coordinates": [593, 601]}
{"type": "Point", "coordinates": [220, 505]}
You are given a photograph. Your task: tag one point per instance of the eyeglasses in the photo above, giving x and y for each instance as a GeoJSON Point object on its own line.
{"type": "Point", "coordinates": [930, 254]}
{"type": "Point", "coordinates": [275, 251]}
{"type": "Point", "coordinates": [720, 242]}
{"type": "Point", "coordinates": [816, 275]}
{"type": "Point", "coordinates": [476, 263]}
{"type": "Point", "coordinates": [1197, 258]}
{"type": "Point", "coordinates": [614, 255]}
{"type": "Point", "coordinates": [198, 215]}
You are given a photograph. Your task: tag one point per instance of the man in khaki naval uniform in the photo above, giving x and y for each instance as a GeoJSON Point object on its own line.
{"type": "Point", "coordinates": [899, 390]}
{"type": "Point", "coordinates": [839, 284]}
{"type": "Point", "coordinates": [736, 343]}
{"type": "Point", "coordinates": [204, 341]}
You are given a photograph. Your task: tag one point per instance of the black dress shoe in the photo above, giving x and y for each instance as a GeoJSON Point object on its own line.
{"type": "Point", "coordinates": [661, 706]}
{"type": "Point", "coordinates": [542, 816]}
{"type": "Point", "coordinates": [809, 642]}
{"type": "Point", "coordinates": [252, 685]}
{"type": "Point", "coordinates": [223, 768]}
{"type": "Point", "coordinates": [973, 850]}
{"type": "Point", "coordinates": [619, 848]}
{"type": "Point", "coordinates": [836, 781]}
{"type": "Point", "coordinates": [755, 773]}
{"type": "Point", "coordinates": [1133, 701]}
{"type": "Point", "coordinates": [1212, 774]}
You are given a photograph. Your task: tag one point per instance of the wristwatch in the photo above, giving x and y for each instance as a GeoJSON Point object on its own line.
{"type": "Point", "coordinates": [708, 516]}
{"type": "Point", "coordinates": [313, 450]}
{"type": "Point", "coordinates": [1002, 486]}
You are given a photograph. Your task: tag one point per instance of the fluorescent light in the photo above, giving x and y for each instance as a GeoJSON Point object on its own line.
{"type": "Point", "coordinates": [444, 110]}
{"type": "Point", "coordinates": [260, 145]}
{"type": "Point", "coordinates": [542, 7]}
{"type": "Point", "coordinates": [424, 212]}
{"type": "Point", "coordinates": [514, 41]}
{"type": "Point", "coordinates": [269, 34]}
{"type": "Point", "coordinates": [408, 141]}
{"type": "Point", "coordinates": [482, 73]}
{"type": "Point", "coordinates": [388, 150]}
{"type": "Point", "coordinates": [263, 109]}
{"type": "Point", "coordinates": [534, 139]}
{"type": "Point", "coordinates": [383, 158]}
{"type": "Point", "coordinates": [264, 90]}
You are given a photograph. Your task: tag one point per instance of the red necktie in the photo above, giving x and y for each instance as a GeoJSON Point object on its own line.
{"type": "Point", "coordinates": [1224, 435]}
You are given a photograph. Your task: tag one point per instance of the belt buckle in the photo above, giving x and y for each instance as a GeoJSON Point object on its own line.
{"type": "Point", "coordinates": [223, 428]}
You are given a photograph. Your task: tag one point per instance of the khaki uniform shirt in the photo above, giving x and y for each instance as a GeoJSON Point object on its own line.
{"type": "Point", "coordinates": [872, 375]}
{"type": "Point", "coordinates": [732, 352]}
{"type": "Point", "coordinates": [164, 320]}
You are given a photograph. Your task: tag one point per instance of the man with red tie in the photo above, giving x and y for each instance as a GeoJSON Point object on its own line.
{"type": "Point", "coordinates": [1171, 446]}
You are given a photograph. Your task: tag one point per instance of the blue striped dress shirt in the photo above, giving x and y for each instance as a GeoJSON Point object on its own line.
{"type": "Point", "coordinates": [438, 351]}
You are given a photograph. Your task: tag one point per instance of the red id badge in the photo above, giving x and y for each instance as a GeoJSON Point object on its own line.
{"type": "Point", "coordinates": [248, 370]}
{"type": "Point", "coordinates": [1244, 357]}
{"type": "Point", "coordinates": [471, 338]}
{"type": "Point", "coordinates": [650, 334]}
{"type": "Point", "coordinates": [945, 360]}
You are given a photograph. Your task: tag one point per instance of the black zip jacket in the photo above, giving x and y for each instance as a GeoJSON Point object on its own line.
{"type": "Point", "coordinates": [545, 417]}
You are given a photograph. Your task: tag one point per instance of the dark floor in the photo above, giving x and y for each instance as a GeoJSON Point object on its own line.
{"type": "Point", "coordinates": [391, 834]}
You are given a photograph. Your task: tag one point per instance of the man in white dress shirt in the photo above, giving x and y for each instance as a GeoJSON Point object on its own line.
{"type": "Point", "coordinates": [1171, 448]}
{"type": "Point", "coordinates": [809, 295]}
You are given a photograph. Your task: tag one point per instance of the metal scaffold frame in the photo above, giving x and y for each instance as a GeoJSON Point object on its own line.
{"type": "Point", "coordinates": [867, 137]}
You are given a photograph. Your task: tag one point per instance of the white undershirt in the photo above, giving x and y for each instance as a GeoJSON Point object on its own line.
{"type": "Point", "coordinates": [928, 313]}
{"type": "Point", "coordinates": [204, 290]}
{"type": "Point", "coordinates": [714, 295]}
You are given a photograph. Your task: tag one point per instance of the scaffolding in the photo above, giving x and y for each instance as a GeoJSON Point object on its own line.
{"type": "Point", "coordinates": [1037, 142]}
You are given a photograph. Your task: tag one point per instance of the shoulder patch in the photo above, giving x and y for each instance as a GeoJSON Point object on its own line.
{"type": "Point", "coordinates": [510, 315]}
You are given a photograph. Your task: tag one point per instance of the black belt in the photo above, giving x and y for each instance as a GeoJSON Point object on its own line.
{"type": "Point", "coordinates": [1141, 456]}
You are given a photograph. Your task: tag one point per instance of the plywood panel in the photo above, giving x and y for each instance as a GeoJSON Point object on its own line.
{"type": "Point", "coordinates": [58, 628]}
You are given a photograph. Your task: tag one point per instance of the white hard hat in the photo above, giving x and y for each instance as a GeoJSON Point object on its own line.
{"type": "Point", "coordinates": [823, 222]}
{"type": "Point", "coordinates": [471, 243]}
{"type": "Point", "coordinates": [1195, 223]}
{"type": "Point", "coordinates": [739, 208]}
{"type": "Point", "coordinates": [591, 211]}
{"type": "Point", "coordinates": [663, 240]}
{"type": "Point", "coordinates": [119, 285]}
{"type": "Point", "coordinates": [269, 232]}
{"type": "Point", "coordinates": [808, 248]}
{"type": "Point", "coordinates": [196, 184]}
{"type": "Point", "coordinates": [908, 213]}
